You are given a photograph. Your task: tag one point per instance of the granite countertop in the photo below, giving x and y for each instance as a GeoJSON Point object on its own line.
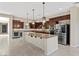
{"type": "Point", "coordinates": [33, 30]}
{"type": "Point", "coordinates": [40, 35]}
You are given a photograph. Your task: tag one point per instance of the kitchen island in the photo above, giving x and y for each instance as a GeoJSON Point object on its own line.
{"type": "Point", "coordinates": [47, 42]}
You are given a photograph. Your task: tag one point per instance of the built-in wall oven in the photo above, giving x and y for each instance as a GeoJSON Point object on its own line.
{"type": "Point", "coordinates": [17, 34]}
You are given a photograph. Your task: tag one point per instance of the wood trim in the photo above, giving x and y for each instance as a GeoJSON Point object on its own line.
{"type": "Point", "coordinates": [65, 17]}
{"type": "Point", "coordinates": [52, 21]}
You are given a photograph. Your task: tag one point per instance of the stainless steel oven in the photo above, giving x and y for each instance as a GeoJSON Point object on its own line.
{"type": "Point", "coordinates": [17, 34]}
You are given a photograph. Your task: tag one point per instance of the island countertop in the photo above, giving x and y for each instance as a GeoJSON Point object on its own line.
{"type": "Point", "coordinates": [40, 35]}
{"type": "Point", "coordinates": [46, 31]}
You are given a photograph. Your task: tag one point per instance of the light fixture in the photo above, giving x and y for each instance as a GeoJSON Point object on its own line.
{"type": "Point", "coordinates": [18, 25]}
{"type": "Point", "coordinates": [44, 21]}
{"type": "Point", "coordinates": [33, 22]}
{"type": "Point", "coordinates": [60, 9]}
{"type": "Point", "coordinates": [27, 16]}
{"type": "Point", "coordinates": [33, 16]}
{"type": "Point", "coordinates": [43, 18]}
{"type": "Point", "coordinates": [27, 23]}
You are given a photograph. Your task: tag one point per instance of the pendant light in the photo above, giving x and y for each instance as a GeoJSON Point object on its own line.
{"type": "Point", "coordinates": [43, 18]}
{"type": "Point", "coordinates": [27, 16]}
{"type": "Point", "coordinates": [27, 20]}
{"type": "Point", "coordinates": [33, 22]}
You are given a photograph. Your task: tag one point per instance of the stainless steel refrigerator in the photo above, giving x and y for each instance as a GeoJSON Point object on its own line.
{"type": "Point", "coordinates": [64, 34]}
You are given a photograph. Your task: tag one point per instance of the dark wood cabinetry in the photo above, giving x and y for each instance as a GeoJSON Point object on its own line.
{"type": "Point", "coordinates": [51, 21]}
{"type": "Point", "coordinates": [32, 26]}
{"type": "Point", "coordinates": [37, 25]}
{"type": "Point", "coordinates": [18, 24]}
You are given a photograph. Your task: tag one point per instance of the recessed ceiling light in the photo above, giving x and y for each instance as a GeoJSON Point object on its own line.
{"type": "Point", "coordinates": [60, 9]}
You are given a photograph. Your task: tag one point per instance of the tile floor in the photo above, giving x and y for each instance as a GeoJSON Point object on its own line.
{"type": "Point", "coordinates": [66, 51]}
{"type": "Point", "coordinates": [27, 49]}
{"type": "Point", "coordinates": [22, 48]}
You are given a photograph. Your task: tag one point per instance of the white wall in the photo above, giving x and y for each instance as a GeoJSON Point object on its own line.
{"type": "Point", "coordinates": [4, 19]}
{"type": "Point", "coordinates": [0, 27]}
{"type": "Point", "coordinates": [74, 28]}
{"type": "Point", "coordinates": [4, 38]}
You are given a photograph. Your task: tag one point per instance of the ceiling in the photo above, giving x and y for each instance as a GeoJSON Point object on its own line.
{"type": "Point", "coordinates": [22, 8]}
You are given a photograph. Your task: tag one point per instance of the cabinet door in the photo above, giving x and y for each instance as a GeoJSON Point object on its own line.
{"type": "Point", "coordinates": [21, 24]}
{"type": "Point", "coordinates": [17, 24]}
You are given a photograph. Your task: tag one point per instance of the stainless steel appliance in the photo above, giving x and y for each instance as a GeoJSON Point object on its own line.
{"type": "Point", "coordinates": [64, 36]}
{"type": "Point", "coordinates": [17, 34]}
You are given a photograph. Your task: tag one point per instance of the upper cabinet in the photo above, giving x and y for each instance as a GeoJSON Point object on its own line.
{"type": "Point", "coordinates": [17, 24]}
{"type": "Point", "coordinates": [36, 25]}
{"type": "Point", "coordinates": [63, 18]}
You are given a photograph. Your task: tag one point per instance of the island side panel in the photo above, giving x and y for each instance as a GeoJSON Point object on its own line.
{"type": "Point", "coordinates": [52, 45]}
